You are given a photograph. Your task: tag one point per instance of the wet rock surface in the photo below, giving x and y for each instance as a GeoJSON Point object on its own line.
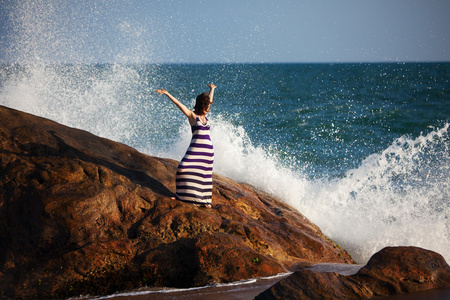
{"type": "Point", "coordinates": [80, 214]}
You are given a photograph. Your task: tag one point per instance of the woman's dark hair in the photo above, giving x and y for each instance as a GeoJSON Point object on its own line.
{"type": "Point", "coordinates": [201, 104]}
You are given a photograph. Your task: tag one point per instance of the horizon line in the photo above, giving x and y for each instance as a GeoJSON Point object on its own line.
{"type": "Point", "coordinates": [228, 63]}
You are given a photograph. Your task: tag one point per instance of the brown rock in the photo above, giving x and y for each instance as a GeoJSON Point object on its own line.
{"type": "Point", "coordinates": [80, 214]}
{"type": "Point", "coordinates": [393, 270]}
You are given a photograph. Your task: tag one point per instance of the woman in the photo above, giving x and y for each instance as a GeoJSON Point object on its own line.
{"type": "Point", "coordinates": [194, 173]}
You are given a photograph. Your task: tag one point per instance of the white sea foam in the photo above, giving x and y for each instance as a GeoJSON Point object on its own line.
{"type": "Point", "coordinates": [239, 285]}
{"type": "Point", "coordinates": [397, 197]}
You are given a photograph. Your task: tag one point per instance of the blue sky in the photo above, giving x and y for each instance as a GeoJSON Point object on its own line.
{"type": "Point", "coordinates": [225, 31]}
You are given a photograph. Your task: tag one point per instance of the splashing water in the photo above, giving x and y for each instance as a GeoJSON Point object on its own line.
{"type": "Point", "coordinates": [398, 197]}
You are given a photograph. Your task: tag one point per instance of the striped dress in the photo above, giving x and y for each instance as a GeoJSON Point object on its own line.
{"type": "Point", "coordinates": [194, 173]}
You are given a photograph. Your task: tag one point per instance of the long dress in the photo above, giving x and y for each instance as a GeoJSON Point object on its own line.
{"type": "Point", "coordinates": [194, 173]}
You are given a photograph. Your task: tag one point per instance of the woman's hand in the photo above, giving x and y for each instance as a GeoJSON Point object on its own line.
{"type": "Point", "coordinates": [211, 92]}
{"type": "Point", "coordinates": [162, 91]}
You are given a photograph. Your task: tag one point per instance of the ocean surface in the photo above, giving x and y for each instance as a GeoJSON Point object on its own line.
{"type": "Point", "coordinates": [362, 150]}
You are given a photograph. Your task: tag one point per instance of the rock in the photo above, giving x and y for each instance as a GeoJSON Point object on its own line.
{"type": "Point", "coordinates": [393, 270]}
{"type": "Point", "coordinates": [80, 214]}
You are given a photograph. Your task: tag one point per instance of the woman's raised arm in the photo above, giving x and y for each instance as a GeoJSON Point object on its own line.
{"type": "Point", "coordinates": [189, 113]}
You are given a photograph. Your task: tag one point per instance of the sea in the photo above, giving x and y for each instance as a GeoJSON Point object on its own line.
{"type": "Point", "coordinates": [361, 149]}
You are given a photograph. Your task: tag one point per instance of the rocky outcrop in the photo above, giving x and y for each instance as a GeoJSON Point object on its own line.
{"type": "Point", "coordinates": [393, 270]}
{"type": "Point", "coordinates": [80, 214]}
